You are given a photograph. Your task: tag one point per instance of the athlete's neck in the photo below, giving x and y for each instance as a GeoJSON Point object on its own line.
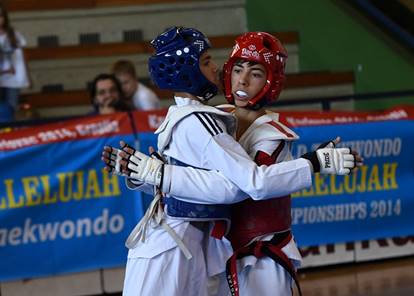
{"type": "Point", "coordinates": [245, 117]}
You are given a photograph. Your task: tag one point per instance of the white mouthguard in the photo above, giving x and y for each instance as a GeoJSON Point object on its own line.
{"type": "Point", "coordinates": [241, 93]}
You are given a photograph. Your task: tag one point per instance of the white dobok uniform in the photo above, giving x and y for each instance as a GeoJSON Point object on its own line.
{"type": "Point", "coordinates": [257, 276]}
{"type": "Point", "coordinates": [263, 276]}
{"type": "Point", "coordinates": [197, 135]}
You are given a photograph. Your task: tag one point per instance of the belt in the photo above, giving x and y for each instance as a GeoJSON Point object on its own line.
{"type": "Point", "coordinates": [271, 249]}
{"type": "Point", "coordinates": [201, 225]}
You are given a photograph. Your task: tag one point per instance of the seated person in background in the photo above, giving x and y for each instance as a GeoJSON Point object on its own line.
{"type": "Point", "coordinates": [107, 96]}
{"type": "Point", "coordinates": [142, 97]}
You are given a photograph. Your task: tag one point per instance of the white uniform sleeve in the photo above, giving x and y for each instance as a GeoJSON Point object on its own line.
{"type": "Point", "coordinates": [219, 151]}
{"type": "Point", "coordinates": [200, 186]}
{"type": "Point", "coordinates": [143, 187]}
{"type": "Point", "coordinates": [207, 187]}
{"type": "Point", "coordinates": [227, 156]}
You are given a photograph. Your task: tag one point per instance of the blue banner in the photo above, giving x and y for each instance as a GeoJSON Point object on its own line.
{"type": "Point", "coordinates": [376, 201]}
{"type": "Point", "coordinates": [61, 212]}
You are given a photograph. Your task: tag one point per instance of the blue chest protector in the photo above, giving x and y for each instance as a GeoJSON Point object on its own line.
{"type": "Point", "coordinates": [193, 211]}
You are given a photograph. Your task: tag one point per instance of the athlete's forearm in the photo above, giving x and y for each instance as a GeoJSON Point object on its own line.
{"type": "Point", "coordinates": [200, 186]}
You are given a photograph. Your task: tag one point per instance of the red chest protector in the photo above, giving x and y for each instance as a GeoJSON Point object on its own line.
{"type": "Point", "coordinates": [252, 218]}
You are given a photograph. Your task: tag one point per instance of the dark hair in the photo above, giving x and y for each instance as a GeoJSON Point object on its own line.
{"type": "Point", "coordinates": [121, 104]}
{"type": "Point", "coordinates": [241, 61]}
{"type": "Point", "coordinates": [124, 67]}
{"type": "Point", "coordinates": [11, 35]}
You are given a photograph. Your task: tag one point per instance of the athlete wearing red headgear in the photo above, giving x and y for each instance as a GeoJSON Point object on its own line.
{"type": "Point", "coordinates": [264, 49]}
{"type": "Point", "coordinates": [266, 256]}
{"type": "Point", "coordinates": [265, 251]}
{"type": "Point", "coordinates": [260, 234]}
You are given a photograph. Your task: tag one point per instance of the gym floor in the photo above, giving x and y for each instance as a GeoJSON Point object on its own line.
{"type": "Point", "coordinates": [391, 277]}
{"type": "Point", "coordinates": [382, 278]}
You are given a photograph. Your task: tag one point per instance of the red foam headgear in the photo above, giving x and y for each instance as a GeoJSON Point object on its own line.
{"type": "Point", "coordinates": [265, 49]}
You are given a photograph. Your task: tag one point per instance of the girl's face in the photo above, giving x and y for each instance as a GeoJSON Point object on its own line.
{"type": "Point", "coordinates": [247, 80]}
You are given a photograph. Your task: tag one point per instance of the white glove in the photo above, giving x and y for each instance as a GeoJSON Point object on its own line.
{"type": "Point", "coordinates": [145, 168]}
{"type": "Point", "coordinates": [138, 167]}
{"type": "Point", "coordinates": [336, 161]}
{"type": "Point", "coordinates": [333, 161]}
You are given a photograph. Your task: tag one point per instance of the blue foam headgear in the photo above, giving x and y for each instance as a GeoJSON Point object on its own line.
{"type": "Point", "coordinates": [175, 64]}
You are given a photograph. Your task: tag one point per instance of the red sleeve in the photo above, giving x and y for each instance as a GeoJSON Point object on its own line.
{"type": "Point", "coordinates": [266, 159]}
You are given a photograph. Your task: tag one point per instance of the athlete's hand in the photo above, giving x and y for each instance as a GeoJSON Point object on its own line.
{"type": "Point", "coordinates": [330, 144]}
{"type": "Point", "coordinates": [334, 161]}
{"type": "Point", "coordinates": [112, 159]}
{"type": "Point", "coordinates": [139, 166]}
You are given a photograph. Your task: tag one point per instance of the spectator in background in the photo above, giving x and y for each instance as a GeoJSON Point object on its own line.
{"type": "Point", "coordinates": [142, 97]}
{"type": "Point", "coordinates": [107, 95]}
{"type": "Point", "coordinates": [13, 68]}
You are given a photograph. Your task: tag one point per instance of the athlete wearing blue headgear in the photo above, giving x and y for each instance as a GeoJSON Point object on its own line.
{"type": "Point", "coordinates": [168, 258]}
{"type": "Point", "coordinates": [179, 60]}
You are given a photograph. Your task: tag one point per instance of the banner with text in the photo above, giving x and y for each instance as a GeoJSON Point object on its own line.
{"type": "Point", "coordinates": [375, 201]}
{"type": "Point", "coordinates": [61, 212]}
